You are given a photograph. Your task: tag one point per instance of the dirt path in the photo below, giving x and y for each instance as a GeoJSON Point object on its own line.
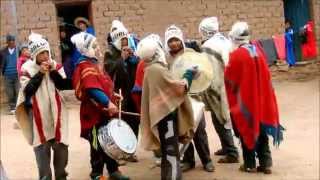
{"type": "Point", "coordinates": [296, 158]}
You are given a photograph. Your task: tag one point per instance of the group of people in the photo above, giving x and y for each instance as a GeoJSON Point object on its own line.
{"type": "Point", "coordinates": [138, 73]}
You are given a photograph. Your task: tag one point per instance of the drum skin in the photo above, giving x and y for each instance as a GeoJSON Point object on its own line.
{"type": "Point", "coordinates": [117, 139]}
{"type": "Point", "coordinates": [191, 59]}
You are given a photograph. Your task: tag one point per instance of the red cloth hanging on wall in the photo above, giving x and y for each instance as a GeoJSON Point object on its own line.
{"type": "Point", "coordinates": [279, 42]}
{"type": "Point", "coordinates": [309, 49]}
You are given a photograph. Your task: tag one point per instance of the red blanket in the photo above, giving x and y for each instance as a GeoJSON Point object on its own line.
{"type": "Point", "coordinates": [309, 49]}
{"type": "Point", "coordinates": [251, 96]}
{"type": "Point", "coordinates": [279, 42]}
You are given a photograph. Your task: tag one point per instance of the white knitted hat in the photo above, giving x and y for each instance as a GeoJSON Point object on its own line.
{"type": "Point", "coordinates": [37, 44]}
{"type": "Point", "coordinates": [173, 32]}
{"type": "Point", "coordinates": [208, 27]}
{"type": "Point", "coordinates": [240, 33]}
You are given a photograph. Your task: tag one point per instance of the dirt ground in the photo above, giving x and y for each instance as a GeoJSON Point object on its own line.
{"type": "Point", "coordinates": [297, 157]}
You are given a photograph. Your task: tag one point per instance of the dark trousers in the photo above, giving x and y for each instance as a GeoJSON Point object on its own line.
{"type": "Point", "coordinates": [133, 122]}
{"type": "Point", "coordinates": [168, 134]}
{"type": "Point", "coordinates": [60, 160]}
{"type": "Point", "coordinates": [200, 141]}
{"type": "Point", "coordinates": [225, 136]}
{"type": "Point", "coordinates": [98, 158]}
{"type": "Point", "coordinates": [12, 88]}
{"type": "Point", "coordinates": [262, 151]}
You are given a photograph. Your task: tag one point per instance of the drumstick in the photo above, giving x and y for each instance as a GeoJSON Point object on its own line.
{"type": "Point", "coordinates": [130, 113]}
{"type": "Point", "coordinates": [120, 102]}
{"type": "Point", "coordinates": [120, 112]}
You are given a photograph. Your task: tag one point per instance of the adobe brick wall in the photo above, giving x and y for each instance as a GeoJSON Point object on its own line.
{"type": "Point", "coordinates": [266, 17]}
{"type": "Point", "coordinates": [36, 15]}
{"type": "Point", "coordinates": [144, 16]}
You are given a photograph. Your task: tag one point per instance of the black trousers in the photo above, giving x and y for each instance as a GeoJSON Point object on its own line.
{"type": "Point", "coordinates": [133, 122]}
{"type": "Point", "coordinates": [98, 158]}
{"type": "Point", "coordinates": [262, 151]}
{"type": "Point", "coordinates": [201, 144]}
{"type": "Point", "coordinates": [225, 136]}
{"type": "Point", "coordinates": [60, 160]}
{"type": "Point", "coordinates": [168, 134]}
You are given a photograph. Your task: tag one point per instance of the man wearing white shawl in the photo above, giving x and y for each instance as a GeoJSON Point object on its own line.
{"type": "Point", "coordinates": [41, 111]}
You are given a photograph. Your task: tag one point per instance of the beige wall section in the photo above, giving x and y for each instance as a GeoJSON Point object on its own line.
{"type": "Point", "coordinates": [145, 16]}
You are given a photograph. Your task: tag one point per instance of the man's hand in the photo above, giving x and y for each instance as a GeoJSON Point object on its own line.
{"type": "Point", "coordinates": [117, 97]}
{"type": "Point", "coordinates": [112, 109]}
{"type": "Point", "coordinates": [126, 52]}
{"type": "Point", "coordinates": [44, 67]}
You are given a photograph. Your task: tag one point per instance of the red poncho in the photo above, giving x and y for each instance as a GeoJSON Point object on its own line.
{"type": "Point", "coordinates": [87, 76]}
{"type": "Point", "coordinates": [251, 96]}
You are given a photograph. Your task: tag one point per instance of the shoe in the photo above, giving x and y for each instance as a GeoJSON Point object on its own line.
{"type": "Point", "coordinates": [121, 162]}
{"type": "Point", "coordinates": [228, 160]}
{"type": "Point", "coordinates": [220, 152]}
{"type": "Point", "coordinates": [158, 162]}
{"type": "Point", "coordinates": [118, 176]}
{"type": "Point", "coordinates": [186, 166]}
{"type": "Point", "coordinates": [209, 167]}
{"type": "Point", "coordinates": [265, 170]}
{"type": "Point", "coordinates": [248, 170]}
{"type": "Point", "coordinates": [12, 112]}
{"type": "Point", "coordinates": [132, 158]}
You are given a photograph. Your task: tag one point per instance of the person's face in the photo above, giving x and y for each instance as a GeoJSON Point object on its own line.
{"type": "Point", "coordinates": [82, 26]}
{"type": "Point", "coordinates": [287, 25]}
{"type": "Point", "coordinates": [25, 52]}
{"type": "Point", "coordinates": [42, 57]}
{"type": "Point", "coordinates": [175, 45]}
{"type": "Point", "coordinates": [11, 44]}
{"type": "Point", "coordinates": [124, 42]}
{"type": "Point", "coordinates": [63, 35]}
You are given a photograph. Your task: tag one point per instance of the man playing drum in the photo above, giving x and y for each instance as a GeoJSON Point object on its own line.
{"type": "Point", "coordinates": [95, 91]}
{"type": "Point", "coordinates": [166, 112]}
{"type": "Point", "coordinates": [175, 47]}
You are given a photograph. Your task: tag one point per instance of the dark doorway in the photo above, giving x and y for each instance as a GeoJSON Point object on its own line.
{"type": "Point", "coordinates": [67, 13]}
{"type": "Point", "coordinates": [298, 13]}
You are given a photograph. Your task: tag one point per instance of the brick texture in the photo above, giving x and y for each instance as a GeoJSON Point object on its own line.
{"type": "Point", "coordinates": [265, 17]}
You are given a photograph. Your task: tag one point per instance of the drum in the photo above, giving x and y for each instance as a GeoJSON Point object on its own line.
{"type": "Point", "coordinates": [191, 59]}
{"type": "Point", "coordinates": [117, 139]}
{"type": "Point", "coordinates": [198, 113]}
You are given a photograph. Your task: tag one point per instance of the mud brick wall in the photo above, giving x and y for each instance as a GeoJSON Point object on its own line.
{"type": "Point", "coordinates": [266, 17]}
{"type": "Point", "coordinates": [143, 16]}
{"type": "Point", "coordinates": [23, 16]}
